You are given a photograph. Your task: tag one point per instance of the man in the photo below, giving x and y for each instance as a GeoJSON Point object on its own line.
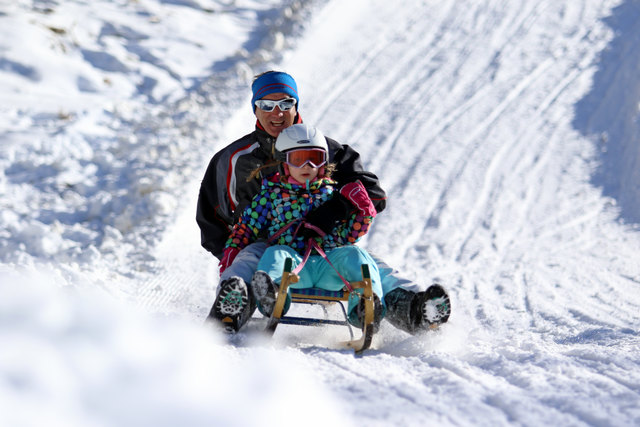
{"type": "Point", "coordinates": [229, 185]}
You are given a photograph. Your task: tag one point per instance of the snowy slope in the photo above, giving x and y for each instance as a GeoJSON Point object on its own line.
{"type": "Point", "coordinates": [505, 134]}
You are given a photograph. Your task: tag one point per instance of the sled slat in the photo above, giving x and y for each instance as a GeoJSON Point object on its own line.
{"type": "Point", "coordinates": [310, 321]}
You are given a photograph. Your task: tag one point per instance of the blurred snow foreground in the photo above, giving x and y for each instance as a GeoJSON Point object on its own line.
{"type": "Point", "coordinates": [76, 358]}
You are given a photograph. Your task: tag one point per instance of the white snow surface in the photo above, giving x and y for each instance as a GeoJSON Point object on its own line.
{"type": "Point", "coordinates": [505, 133]}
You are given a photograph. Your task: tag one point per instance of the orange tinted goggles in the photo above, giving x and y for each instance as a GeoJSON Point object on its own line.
{"type": "Point", "coordinates": [316, 157]}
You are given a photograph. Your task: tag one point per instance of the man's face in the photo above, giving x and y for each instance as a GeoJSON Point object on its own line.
{"type": "Point", "coordinates": [275, 121]}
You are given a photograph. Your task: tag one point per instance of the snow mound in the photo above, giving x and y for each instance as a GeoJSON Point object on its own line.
{"type": "Point", "coordinates": [106, 111]}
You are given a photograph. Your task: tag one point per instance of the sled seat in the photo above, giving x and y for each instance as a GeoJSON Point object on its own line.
{"type": "Point", "coordinates": [320, 294]}
{"type": "Point", "coordinates": [323, 297]}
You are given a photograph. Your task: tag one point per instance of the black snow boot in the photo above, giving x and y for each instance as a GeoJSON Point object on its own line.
{"type": "Point", "coordinates": [414, 312]}
{"type": "Point", "coordinates": [233, 306]}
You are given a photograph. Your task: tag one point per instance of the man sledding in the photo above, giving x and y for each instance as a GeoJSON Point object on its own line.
{"type": "Point", "coordinates": [251, 169]}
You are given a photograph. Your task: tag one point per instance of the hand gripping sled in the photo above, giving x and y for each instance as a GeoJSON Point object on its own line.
{"type": "Point", "coordinates": [321, 296]}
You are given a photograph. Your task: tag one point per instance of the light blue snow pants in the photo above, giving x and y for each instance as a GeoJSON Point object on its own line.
{"type": "Point", "coordinates": [246, 263]}
{"type": "Point", "coordinates": [317, 272]}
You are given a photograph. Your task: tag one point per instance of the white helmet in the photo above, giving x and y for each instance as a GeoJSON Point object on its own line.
{"type": "Point", "coordinates": [300, 136]}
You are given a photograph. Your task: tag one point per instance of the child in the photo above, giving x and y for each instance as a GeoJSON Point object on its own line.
{"type": "Point", "coordinates": [277, 213]}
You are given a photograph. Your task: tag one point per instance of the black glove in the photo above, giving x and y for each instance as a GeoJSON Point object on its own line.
{"type": "Point", "coordinates": [327, 216]}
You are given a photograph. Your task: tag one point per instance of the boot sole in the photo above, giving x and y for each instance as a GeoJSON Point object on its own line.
{"type": "Point", "coordinates": [437, 307]}
{"type": "Point", "coordinates": [263, 291]}
{"type": "Point", "coordinates": [230, 304]}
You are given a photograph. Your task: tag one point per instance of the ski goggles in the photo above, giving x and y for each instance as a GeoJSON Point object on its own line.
{"type": "Point", "coordinates": [315, 157]}
{"type": "Point", "coordinates": [268, 105]}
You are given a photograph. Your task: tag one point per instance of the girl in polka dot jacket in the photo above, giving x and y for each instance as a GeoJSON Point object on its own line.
{"type": "Point", "coordinates": [276, 214]}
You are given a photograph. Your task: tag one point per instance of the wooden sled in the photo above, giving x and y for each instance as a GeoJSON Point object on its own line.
{"type": "Point", "coordinates": [324, 297]}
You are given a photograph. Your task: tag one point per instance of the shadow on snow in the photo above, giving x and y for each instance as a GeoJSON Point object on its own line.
{"type": "Point", "coordinates": [609, 113]}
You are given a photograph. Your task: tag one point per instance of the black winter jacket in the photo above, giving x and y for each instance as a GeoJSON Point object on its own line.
{"type": "Point", "coordinates": [225, 192]}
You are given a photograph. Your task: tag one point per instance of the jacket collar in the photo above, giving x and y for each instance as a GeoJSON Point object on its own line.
{"type": "Point", "coordinates": [276, 180]}
{"type": "Point", "coordinates": [267, 141]}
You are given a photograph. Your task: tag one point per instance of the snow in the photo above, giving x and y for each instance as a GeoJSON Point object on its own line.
{"type": "Point", "coordinates": [504, 133]}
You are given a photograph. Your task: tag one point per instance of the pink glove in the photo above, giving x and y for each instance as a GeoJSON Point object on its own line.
{"type": "Point", "coordinates": [228, 257]}
{"type": "Point", "coordinates": [357, 194]}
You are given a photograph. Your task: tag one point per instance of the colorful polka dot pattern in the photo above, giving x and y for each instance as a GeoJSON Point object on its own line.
{"type": "Point", "coordinates": [278, 204]}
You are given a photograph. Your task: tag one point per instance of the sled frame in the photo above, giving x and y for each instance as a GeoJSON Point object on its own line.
{"type": "Point", "coordinates": [325, 298]}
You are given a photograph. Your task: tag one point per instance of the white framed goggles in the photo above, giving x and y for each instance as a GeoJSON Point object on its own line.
{"type": "Point", "coordinates": [315, 157]}
{"type": "Point", "coordinates": [268, 105]}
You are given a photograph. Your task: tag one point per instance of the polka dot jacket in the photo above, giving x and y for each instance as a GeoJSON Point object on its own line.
{"type": "Point", "coordinates": [279, 204]}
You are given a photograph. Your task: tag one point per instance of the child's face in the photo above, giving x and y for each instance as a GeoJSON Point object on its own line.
{"type": "Point", "coordinates": [303, 174]}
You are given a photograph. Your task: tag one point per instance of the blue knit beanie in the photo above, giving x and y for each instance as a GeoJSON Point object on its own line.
{"type": "Point", "coordinates": [274, 82]}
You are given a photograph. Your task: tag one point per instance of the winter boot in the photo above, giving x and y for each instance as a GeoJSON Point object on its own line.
{"type": "Point", "coordinates": [233, 306]}
{"type": "Point", "coordinates": [356, 317]}
{"type": "Point", "coordinates": [264, 291]}
{"type": "Point", "coordinates": [436, 306]}
{"type": "Point", "coordinates": [415, 312]}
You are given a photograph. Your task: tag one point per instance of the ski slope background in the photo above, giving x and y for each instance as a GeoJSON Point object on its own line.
{"type": "Point", "coordinates": [505, 133]}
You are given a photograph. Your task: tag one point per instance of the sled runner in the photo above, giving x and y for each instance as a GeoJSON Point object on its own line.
{"type": "Point", "coordinates": [323, 298]}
